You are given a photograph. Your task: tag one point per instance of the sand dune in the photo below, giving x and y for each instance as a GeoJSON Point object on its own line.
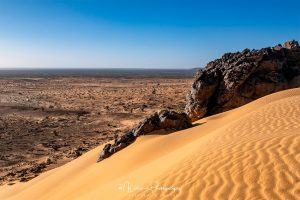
{"type": "Point", "coordinates": [252, 152]}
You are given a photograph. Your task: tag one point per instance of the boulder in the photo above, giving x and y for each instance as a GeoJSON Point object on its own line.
{"type": "Point", "coordinates": [163, 120]}
{"type": "Point", "coordinates": [239, 78]}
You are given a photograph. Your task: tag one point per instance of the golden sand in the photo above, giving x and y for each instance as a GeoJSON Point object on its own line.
{"type": "Point", "coordinates": [252, 152]}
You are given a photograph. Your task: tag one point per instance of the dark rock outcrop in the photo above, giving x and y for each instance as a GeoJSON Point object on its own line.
{"type": "Point", "coordinates": [239, 78]}
{"type": "Point", "coordinates": [163, 120]}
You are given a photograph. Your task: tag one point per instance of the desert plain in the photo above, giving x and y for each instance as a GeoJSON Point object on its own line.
{"type": "Point", "coordinates": [49, 120]}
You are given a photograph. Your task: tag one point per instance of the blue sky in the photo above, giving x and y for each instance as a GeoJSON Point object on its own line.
{"type": "Point", "coordinates": [141, 33]}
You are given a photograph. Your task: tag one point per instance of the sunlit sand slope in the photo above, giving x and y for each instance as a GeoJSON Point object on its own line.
{"type": "Point", "coordinates": [252, 152]}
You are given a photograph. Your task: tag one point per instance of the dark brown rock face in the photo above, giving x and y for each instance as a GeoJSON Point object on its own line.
{"type": "Point", "coordinates": [239, 78]}
{"type": "Point", "coordinates": [163, 120]}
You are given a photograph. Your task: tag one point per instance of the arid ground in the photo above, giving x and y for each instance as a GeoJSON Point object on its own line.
{"type": "Point", "coordinates": [46, 121]}
{"type": "Point", "coordinates": [251, 152]}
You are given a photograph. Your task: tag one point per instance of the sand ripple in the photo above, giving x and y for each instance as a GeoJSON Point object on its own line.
{"type": "Point", "coordinates": [252, 152]}
{"type": "Point", "coordinates": [254, 157]}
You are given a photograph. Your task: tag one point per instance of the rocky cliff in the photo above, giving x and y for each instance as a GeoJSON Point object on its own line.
{"type": "Point", "coordinates": [239, 78]}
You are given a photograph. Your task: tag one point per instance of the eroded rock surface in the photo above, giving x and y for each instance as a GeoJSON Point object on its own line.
{"type": "Point", "coordinates": [239, 78]}
{"type": "Point", "coordinates": [163, 120]}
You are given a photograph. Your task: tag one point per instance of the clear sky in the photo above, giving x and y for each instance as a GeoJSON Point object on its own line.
{"type": "Point", "coordinates": [140, 33]}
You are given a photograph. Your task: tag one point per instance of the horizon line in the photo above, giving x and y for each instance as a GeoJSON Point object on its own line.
{"type": "Point", "coordinates": [96, 68]}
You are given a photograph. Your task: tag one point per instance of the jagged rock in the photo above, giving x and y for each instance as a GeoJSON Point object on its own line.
{"type": "Point", "coordinates": [105, 152]}
{"type": "Point", "coordinates": [38, 168]}
{"type": "Point", "coordinates": [165, 119]}
{"type": "Point", "coordinates": [291, 44]}
{"type": "Point", "coordinates": [278, 47]}
{"type": "Point", "coordinates": [78, 151]}
{"type": "Point", "coordinates": [239, 78]}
